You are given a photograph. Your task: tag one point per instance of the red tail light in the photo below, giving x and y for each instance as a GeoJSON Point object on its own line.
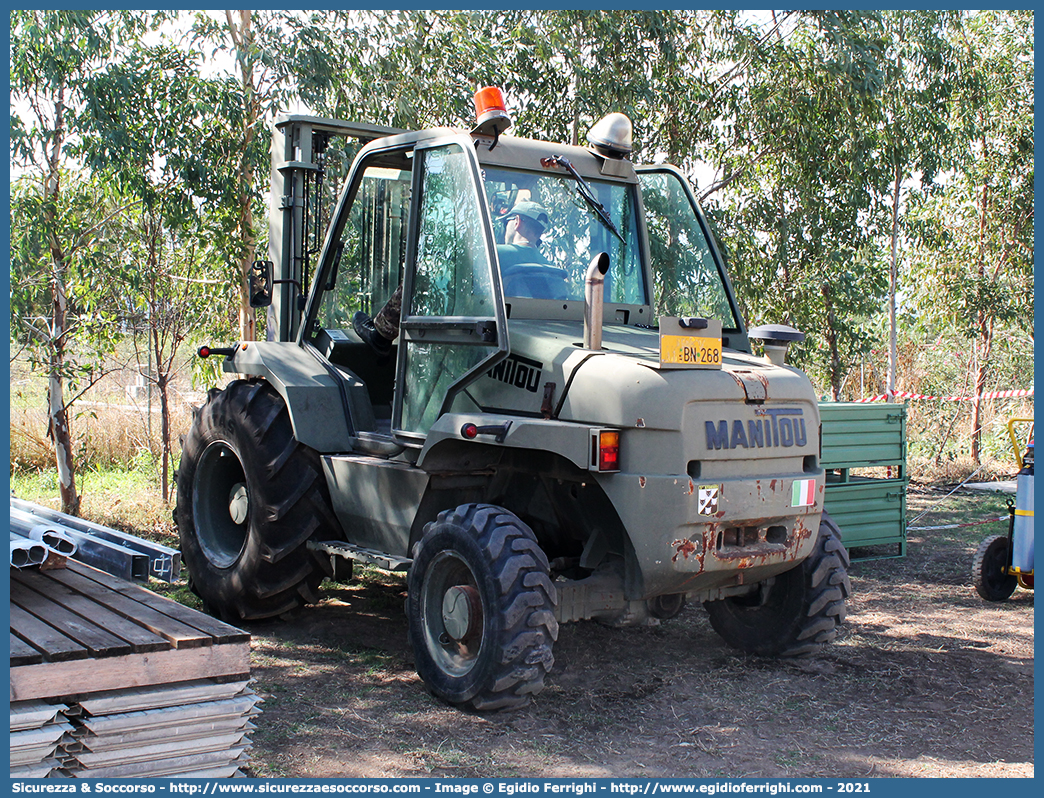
{"type": "Point", "coordinates": [605, 450]}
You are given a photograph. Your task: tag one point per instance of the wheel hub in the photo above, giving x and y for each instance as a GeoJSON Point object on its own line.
{"type": "Point", "coordinates": [451, 608]}
{"type": "Point", "coordinates": [238, 503]}
{"type": "Point", "coordinates": [461, 611]}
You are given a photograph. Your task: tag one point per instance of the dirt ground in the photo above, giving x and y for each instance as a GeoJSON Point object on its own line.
{"type": "Point", "coordinates": [926, 680]}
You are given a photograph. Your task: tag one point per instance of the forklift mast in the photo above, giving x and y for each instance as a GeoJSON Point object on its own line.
{"type": "Point", "coordinates": [295, 229]}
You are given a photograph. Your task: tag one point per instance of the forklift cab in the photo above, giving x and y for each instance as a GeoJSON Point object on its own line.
{"type": "Point", "coordinates": [430, 210]}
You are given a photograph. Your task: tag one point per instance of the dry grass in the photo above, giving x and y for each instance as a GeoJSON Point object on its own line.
{"type": "Point", "coordinates": [927, 471]}
{"type": "Point", "coordinates": [106, 435]}
{"type": "Point", "coordinates": [116, 452]}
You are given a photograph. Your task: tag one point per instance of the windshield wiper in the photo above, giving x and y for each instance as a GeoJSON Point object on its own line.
{"type": "Point", "coordinates": [584, 190]}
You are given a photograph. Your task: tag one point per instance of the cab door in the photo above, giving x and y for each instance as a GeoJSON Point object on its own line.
{"type": "Point", "coordinates": [454, 325]}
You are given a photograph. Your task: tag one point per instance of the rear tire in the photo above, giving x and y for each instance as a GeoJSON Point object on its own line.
{"type": "Point", "coordinates": [989, 570]}
{"type": "Point", "coordinates": [799, 612]}
{"type": "Point", "coordinates": [481, 609]}
{"type": "Point", "coordinates": [249, 499]}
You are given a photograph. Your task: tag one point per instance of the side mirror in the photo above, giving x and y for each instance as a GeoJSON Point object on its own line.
{"type": "Point", "coordinates": [261, 284]}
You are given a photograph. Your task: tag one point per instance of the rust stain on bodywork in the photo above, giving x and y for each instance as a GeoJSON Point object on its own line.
{"type": "Point", "coordinates": [773, 486]}
{"type": "Point", "coordinates": [754, 384]}
{"type": "Point", "coordinates": [801, 531]}
{"type": "Point", "coordinates": [686, 549]}
{"type": "Point", "coordinates": [755, 542]}
{"type": "Point", "coordinates": [683, 548]}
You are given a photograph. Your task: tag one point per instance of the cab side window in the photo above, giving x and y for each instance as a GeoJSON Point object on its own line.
{"type": "Point", "coordinates": [451, 291]}
{"type": "Point", "coordinates": [374, 246]}
{"type": "Point", "coordinates": [452, 276]}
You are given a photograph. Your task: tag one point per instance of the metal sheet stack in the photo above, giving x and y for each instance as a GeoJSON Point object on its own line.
{"type": "Point", "coordinates": [193, 730]}
{"type": "Point", "coordinates": [37, 731]}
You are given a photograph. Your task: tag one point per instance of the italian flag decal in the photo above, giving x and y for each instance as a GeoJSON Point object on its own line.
{"type": "Point", "coordinates": [804, 494]}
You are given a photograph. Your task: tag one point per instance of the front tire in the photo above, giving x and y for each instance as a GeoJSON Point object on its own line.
{"type": "Point", "coordinates": [481, 609]}
{"type": "Point", "coordinates": [990, 570]}
{"type": "Point", "coordinates": [799, 612]}
{"type": "Point", "coordinates": [249, 498]}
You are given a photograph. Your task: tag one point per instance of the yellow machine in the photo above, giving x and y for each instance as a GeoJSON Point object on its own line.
{"type": "Point", "coordinates": [1003, 562]}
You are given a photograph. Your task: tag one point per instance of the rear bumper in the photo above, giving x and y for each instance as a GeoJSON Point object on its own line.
{"type": "Point", "coordinates": [695, 536]}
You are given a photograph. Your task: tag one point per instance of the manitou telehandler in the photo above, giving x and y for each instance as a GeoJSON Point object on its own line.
{"type": "Point", "coordinates": [577, 430]}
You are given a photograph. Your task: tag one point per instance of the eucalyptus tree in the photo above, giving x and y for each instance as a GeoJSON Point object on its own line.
{"type": "Point", "coordinates": [916, 135]}
{"type": "Point", "coordinates": [161, 144]}
{"type": "Point", "coordinates": [58, 217]}
{"type": "Point", "coordinates": [973, 264]}
{"type": "Point", "coordinates": [175, 292]}
{"type": "Point", "coordinates": [258, 84]}
{"type": "Point", "coordinates": [803, 216]}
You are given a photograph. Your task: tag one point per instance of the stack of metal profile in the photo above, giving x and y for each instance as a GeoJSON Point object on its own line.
{"type": "Point", "coordinates": [196, 729]}
{"type": "Point", "coordinates": [26, 552]}
{"type": "Point", "coordinates": [36, 531]}
{"type": "Point", "coordinates": [37, 731]}
{"type": "Point", "coordinates": [35, 542]}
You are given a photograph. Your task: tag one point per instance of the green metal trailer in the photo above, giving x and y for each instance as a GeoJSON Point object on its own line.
{"type": "Point", "coordinates": [864, 456]}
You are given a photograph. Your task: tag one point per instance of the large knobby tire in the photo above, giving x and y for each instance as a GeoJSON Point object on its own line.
{"type": "Point", "coordinates": [990, 570]}
{"type": "Point", "coordinates": [799, 612]}
{"type": "Point", "coordinates": [481, 609]}
{"type": "Point", "coordinates": [249, 499]}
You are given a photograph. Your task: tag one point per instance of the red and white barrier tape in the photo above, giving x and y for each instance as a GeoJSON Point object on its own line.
{"type": "Point", "coordinates": [989, 395]}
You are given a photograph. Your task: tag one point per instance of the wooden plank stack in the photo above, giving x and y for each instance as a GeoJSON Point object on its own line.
{"type": "Point", "coordinates": [139, 685]}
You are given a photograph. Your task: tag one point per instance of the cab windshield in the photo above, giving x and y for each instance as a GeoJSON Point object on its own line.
{"type": "Point", "coordinates": [561, 234]}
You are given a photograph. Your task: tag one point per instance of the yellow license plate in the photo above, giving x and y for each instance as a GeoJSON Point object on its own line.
{"type": "Point", "coordinates": [687, 350]}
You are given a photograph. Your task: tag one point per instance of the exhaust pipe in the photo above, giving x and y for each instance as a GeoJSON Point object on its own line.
{"type": "Point", "coordinates": [593, 299]}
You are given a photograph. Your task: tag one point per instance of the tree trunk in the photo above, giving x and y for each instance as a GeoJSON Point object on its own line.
{"type": "Point", "coordinates": [57, 412]}
{"type": "Point", "coordinates": [984, 348]}
{"type": "Point", "coordinates": [164, 382]}
{"type": "Point", "coordinates": [243, 38]}
{"type": "Point", "coordinates": [985, 328]}
{"type": "Point", "coordinates": [893, 282]}
{"type": "Point", "coordinates": [831, 336]}
{"type": "Point", "coordinates": [58, 422]}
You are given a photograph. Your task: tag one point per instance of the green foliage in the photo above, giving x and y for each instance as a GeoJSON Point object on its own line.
{"type": "Point", "coordinates": [974, 242]}
{"type": "Point", "coordinates": [972, 264]}
{"type": "Point", "coordinates": [71, 217]}
{"type": "Point", "coordinates": [805, 211]}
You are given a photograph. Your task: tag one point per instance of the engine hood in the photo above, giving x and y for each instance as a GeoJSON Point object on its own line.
{"type": "Point", "coordinates": [748, 410]}
{"type": "Point", "coordinates": [621, 385]}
